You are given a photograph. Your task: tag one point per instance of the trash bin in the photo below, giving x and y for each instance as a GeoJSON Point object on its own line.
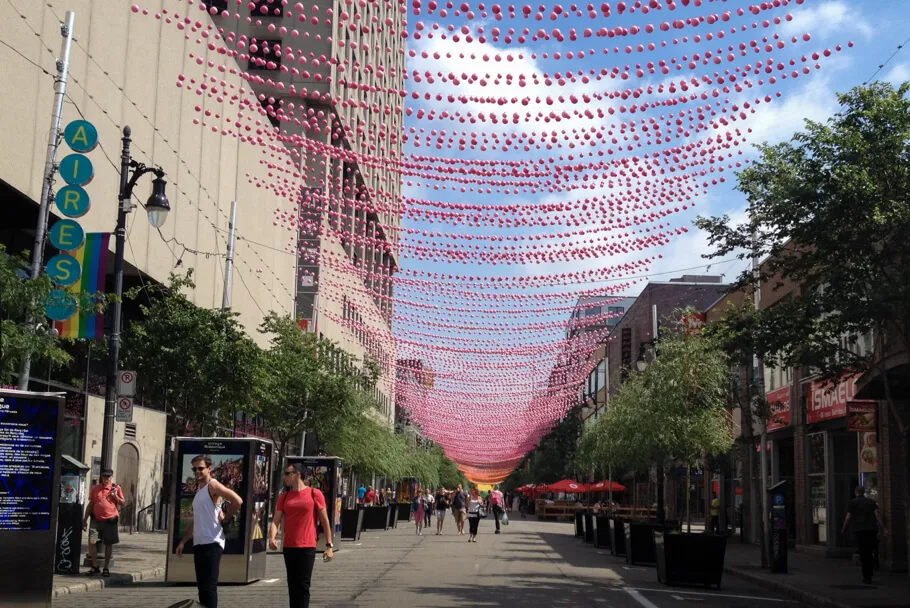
{"type": "Point", "coordinates": [69, 515]}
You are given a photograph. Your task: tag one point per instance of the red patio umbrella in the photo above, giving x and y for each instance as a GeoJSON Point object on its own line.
{"type": "Point", "coordinates": [716, 486]}
{"type": "Point", "coordinates": [568, 486]}
{"type": "Point", "coordinates": [605, 486]}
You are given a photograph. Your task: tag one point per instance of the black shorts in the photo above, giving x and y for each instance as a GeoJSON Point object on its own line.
{"type": "Point", "coordinates": [105, 531]}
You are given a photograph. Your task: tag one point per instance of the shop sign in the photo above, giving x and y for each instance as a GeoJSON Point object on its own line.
{"type": "Point", "coordinates": [779, 402]}
{"type": "Point", "coordinates": [695, 322]}
{"type": "Point", "coordinates": [861, 415]}
{"type": "Point", "coordinates": [827, 403]}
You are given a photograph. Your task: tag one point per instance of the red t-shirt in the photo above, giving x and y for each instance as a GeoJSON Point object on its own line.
{"type": "Point", "coordinates": [103, 507]}
{"type": "Point", "coordinates": [371, 497]}
{"type": "Point", "coordinates": [300, 516]}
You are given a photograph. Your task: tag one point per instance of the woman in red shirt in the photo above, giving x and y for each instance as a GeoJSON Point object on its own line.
{"type": "Point", "coordinates": [298, 509]}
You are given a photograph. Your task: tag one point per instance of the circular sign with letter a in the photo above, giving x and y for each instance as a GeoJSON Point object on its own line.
{"type": "Point", "coordinates": [64, 269]}
{"type": "Point", "coordinates": [81, 136]}
{"type": "Point", "coordinates": [66, 235]}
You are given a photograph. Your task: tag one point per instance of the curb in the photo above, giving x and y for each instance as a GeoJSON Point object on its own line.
{"type": "Point", "coordinates": [794, 592]}
{"type": "Point", "coordinates": [115, 580]}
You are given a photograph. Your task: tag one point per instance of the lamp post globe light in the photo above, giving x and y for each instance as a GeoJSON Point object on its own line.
{"type": "Point", "coordinates": [157, 208]}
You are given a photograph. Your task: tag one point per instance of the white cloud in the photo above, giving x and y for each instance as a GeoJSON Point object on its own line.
{"type": "Point", "coordinates": [824, 19]}
{"type": "Point", "coordinates": [899, 74]}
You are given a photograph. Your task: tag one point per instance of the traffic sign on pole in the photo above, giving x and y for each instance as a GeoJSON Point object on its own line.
{"type": "Point", "coordinates": [126, 383]}
{"type": "Point", "coordinates": [124, 410]}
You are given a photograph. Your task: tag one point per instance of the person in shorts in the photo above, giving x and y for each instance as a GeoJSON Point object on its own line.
{"type": "Point", "coordinates": [103, 508]}
{"type": "Point", "coordinates": [460, 508]}
{"type": "Point", "coordinates": [442, 505]}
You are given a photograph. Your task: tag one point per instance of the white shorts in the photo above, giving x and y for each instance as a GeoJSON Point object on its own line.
{"type": "Point", "coordinates": [441, 514]}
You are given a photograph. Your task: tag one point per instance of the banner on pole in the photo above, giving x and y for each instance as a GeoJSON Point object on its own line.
{"type": "Point", "coordinates": [92, 256]}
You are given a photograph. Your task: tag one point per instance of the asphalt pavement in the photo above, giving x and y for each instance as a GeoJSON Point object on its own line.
{"type": "Point", "coordinates": [531, 564]}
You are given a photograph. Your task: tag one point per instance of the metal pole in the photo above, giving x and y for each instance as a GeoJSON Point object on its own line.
{"type": "Point", "coordinates": [760, 393]}
{"type": "Point", "coordinates": [53, 139]}
{"type": "Point", "coordinates": [229, 265]}
{"type": "Point", "coordinates": [654, 323]}
{"type": "Point", "coordinates": [113, 343]}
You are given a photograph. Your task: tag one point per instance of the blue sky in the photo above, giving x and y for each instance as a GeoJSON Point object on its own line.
{"type": "Point", "coordinates": [876, 28]}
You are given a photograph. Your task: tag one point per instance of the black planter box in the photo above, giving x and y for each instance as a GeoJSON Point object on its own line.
{"type": "Point", "coordinates": [393, 517]}
{"type": "Point", "coordinates": [589, 528]}
{"type": "Point", "coordinates": [375, 518]}
{"type": "Point", "coordinates": [640, 542]}
{"type": "Point", "coordinates": [579, 525]}
{"type": "Point", "coordinates": [695, 559]}
{"type": "Point", "coordinates": [351, 524]}
{"type": "Point", "coordinates": [602, 532]}
{"type": "Point", "coordinates": [404, 511]}
{"type": "Point", "coordinates": [617, 537]}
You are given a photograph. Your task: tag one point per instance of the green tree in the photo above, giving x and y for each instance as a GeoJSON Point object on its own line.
{"type": "Point", "coordinates": [675, 410]}
{"type": "Point", "coordinates": [196, 362]}
{"type": "Point", "coordinates": [22, 299]}
{"type": "Point", "coordinates": [831, 210]}
{"type": "Point", "coordinates": [554, 457]}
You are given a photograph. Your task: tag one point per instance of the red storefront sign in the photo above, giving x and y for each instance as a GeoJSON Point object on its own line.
{"type": "Point", "coordinates": [827, 403]}
{"type": "Point", "coordinates": [861, 416]}
{"type": "Point", "coordinates": [779, 401]}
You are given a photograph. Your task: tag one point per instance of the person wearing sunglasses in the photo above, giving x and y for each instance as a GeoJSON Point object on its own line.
{"type": "Point", "coordinates": [207, 528]}
{"type": "Point", "coordinates": [297, 510]}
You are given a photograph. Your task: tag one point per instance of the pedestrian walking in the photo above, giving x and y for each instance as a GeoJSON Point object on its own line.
{"type": "Point", "coordinates": [866, 518]}
{"type": "Point", "coordinates": [429, 506]}
{"type": "Point", "coordinates": [475, 506]}
{"type": "Point", "coordinates": [210, 516]}
{"type": "Point", "coordinates": [297, 511]}
{"type": "Point", "coordinates": [442, 505]}
{"type": "Point", "coordinates": [361, 494]}
{"type": "Point", "coordinates": [516, 502]}
{"type": "Point", "coordinates": [418, 506]}
{"type": "Point", "coordinates": [370, 498]}
{"type": "Point", "coordinates": [715, 514]}
{"type": "Point", "coordinates": [389, 497]}
{"type": "Point", "coordinates": [523, 505]}
{"type": "Point", "coordinates": [460, 508]}
{"type": "Point", "coordinates": [497, 501]}
{"type": "Point", "coordinates": [103, 508]}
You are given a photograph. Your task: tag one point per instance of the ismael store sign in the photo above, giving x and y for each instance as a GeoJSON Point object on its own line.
{"type": "Point", "coordinates": [827, 402]}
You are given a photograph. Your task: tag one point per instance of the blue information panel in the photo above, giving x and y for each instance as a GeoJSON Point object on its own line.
{"type": "Point", "coordinates": [28, 433]}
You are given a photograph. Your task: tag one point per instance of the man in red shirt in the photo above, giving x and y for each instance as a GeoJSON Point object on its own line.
{"type": "Point", "coordinates": [104, 502]}
{"type": "Point", "coordinates": [371, 498]}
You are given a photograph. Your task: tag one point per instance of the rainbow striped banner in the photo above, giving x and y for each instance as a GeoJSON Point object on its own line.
{"type": "Point", "coordinates": [92, 256]}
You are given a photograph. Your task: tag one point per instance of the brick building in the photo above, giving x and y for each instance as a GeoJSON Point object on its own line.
{"type": "Point", "coordinates": [810, 447]}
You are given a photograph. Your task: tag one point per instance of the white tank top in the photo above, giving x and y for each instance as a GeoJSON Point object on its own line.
{"type": "Point", "coordinates": [206, 527]}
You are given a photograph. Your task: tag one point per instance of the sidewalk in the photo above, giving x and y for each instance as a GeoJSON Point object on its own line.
{"type": "Point", "coordinates": [828, 583]}
{"type": "Point", "coordinates": [138, 557]}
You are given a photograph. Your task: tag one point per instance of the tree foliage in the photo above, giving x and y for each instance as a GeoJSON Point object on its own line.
{"type": "Point", "coordinates": [22, 299]}
{"type": "Point", "coordinates": [197, 362]}
{"type": "Point", "coordinates": [831, 209]}
{"type": "Point", "coordinates": [674, 410]}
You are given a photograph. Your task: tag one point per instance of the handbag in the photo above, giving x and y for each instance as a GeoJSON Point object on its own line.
{"type": "Point", "coordinates": [504, 519]}
{"type": "Point", "coordinates": [482, 513]}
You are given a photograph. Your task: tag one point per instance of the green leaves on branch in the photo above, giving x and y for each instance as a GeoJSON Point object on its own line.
{"type": "Point", "coordinates": [831, 211]}
{"type": "Point", "coordinates": [674, 410]}
{"type": "Point", "coordinates": [197, 362]}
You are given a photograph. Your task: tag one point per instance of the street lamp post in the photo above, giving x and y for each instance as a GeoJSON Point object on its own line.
{"type": "Point", "coordinates": [157, 208]}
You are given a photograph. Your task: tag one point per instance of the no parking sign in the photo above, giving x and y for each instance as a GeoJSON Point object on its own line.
{"type": "Point", "coordinates": [124, 410]}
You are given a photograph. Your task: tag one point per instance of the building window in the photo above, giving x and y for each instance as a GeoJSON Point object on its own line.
{"type": "Point", "coordinates": [593, 310]}
{"type": "Point", "coordinates": [267, 55]}
{"type": "Point", "coordinates": [221, 5]}
{"type": "Point", "coordinates": [615, 310]}
{"type": "Point", "coordinates": [266, 8]}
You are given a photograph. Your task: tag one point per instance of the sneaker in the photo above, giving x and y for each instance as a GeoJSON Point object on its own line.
{"type": "Point", "coordinates": [497, 531]}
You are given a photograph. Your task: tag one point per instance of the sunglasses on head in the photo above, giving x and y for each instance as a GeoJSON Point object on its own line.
{"type": "Point", "coordinates": [198, 469]}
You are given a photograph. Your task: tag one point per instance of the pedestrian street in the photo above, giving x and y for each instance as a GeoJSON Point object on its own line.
{"type": "Point", "coordinates": [530, 564]}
